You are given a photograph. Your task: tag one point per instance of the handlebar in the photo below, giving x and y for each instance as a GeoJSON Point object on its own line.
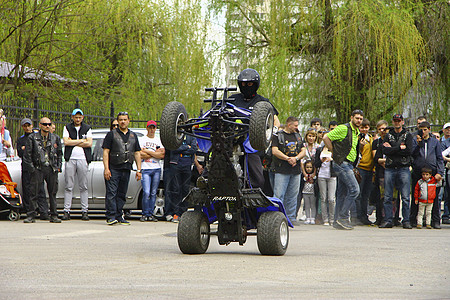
{"type": "Point", "coordinates": [231, 89]}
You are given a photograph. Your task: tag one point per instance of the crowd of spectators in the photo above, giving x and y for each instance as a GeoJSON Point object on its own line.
{"type": "Point", "coordinates": [335, 176]}
{"type": "Point", "coordinates": [395, 170]}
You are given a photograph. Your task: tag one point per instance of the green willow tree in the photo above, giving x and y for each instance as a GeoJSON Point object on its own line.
{"type": "Point", "coordinates": [141, 54]}
{"type": "Point", "coordinates": [324, 58]}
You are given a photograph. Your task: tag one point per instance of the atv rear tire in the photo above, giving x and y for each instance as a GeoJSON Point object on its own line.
{"type": "Point", "coordinates": [272, 233]}
{"type": "Point", "coordinates": [173, 115]}
{"type": "Point", "coordinates": [193, 233]}
{"type": "Point", "coordinates": [261, 125]}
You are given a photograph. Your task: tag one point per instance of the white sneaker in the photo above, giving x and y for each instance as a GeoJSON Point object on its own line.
{"type": "Point", "coordinates": [313, 221]}
{"type": "Point", "coordinates": [326, 224]}
{"type": "Point", "coordinates": [308, 221]}
{"type": "Point", "coordinates": [302, 218]}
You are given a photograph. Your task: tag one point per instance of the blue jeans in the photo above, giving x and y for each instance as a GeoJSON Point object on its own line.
{"type": "Point", "coordinates": [116, 193]}
{"type": "Point", "coordinates": [286, 187]}
{"type": "Point", "coordinates": [347, 189]}
{"type": "Point", "coordinates": [150, 183]}
{"type": "Point", "coordinates": [401, 179]}
{"type": "Point", "coordinates": [365, 187]}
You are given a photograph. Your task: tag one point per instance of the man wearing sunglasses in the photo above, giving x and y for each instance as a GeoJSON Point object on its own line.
{"type": "Point", "coordinates": [120, 149]}
{"type": "Point", "coordinates": [43, 158]}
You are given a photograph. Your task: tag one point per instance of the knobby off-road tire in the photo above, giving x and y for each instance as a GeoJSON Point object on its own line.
{"type": "Point", "coordinates": [173, 115]}
{"type": "Point", "coordinates": [193, 233]}
{"type": "Point", "coordinates": [261, 125]}
{"type": "Point", "coordinates": [272, 233]}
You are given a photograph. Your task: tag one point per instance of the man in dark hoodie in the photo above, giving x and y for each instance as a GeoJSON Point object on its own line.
{"type": "Point", "coordinates": [397, 146]}
{"type": "Point", "coordinates": [427, 153]}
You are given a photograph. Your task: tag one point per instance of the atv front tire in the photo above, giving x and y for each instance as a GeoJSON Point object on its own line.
{"type": "Point", "coordinates": [193, 233]}
{"type": "Point", "coordinates": [261, 125]}
{"type": "Point", "coordinates": [173, 115]}
{"type": "Point", "coordinates": [272, 233]}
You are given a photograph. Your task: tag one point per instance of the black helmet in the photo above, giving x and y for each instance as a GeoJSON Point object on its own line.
{"type": "Point", "coordinates": [249, 75]}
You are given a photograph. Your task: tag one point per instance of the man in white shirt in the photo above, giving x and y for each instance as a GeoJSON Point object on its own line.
{"type": "Point", "coordinates": [77, 138]}
{"type": "Point", "coordinates": [152, 152]}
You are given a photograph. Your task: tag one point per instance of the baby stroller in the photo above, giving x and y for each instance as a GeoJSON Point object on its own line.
{"type": "Point", "coordinates": [10, 199]}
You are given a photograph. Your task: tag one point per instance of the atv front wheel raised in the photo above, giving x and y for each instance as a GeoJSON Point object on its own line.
{"type": "Point", "coordinates": [261, 126]}
{"type": "Point", "coordinates": [173, 115]}
{"type": "Point", "coordinates": [193, 233]}
{"type": "Point", "coordinates": [272, 233]}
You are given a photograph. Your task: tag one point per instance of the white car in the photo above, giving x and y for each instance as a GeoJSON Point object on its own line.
{"type": "Point", "coordinates": [96, 181]}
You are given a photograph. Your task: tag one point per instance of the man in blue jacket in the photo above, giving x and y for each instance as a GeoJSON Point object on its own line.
{"type": "Point", "coordinates": [178, 177]}
{"type": "Point", "coordinates": [426, 153]}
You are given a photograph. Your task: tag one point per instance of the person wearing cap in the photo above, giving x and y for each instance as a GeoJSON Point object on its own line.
{"type": "Point", "coordinates": [427, 153]}
{"type": "Point", "coordinates": [397, 146]}
{"type": "Point", "coordinates": [152, 152]}
{"type": "Point", "coordinates": [445, 147]}
{"type": "Point", "coordinates": [77, 137]}
{"type": "Point", "coordinates": [120, 150]}
{"type": "Point", "coordinates": [27, 126]}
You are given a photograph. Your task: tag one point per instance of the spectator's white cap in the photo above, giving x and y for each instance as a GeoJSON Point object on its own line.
{"type": "Point", "coordinates": [446, 125]}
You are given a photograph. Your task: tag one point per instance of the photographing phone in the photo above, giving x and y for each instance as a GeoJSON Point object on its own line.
{"type": "Point", "coordinates": [420, 133]}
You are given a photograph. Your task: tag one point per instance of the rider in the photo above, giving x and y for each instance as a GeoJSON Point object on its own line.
{"type": "Point", "coordinates": [248, 82]}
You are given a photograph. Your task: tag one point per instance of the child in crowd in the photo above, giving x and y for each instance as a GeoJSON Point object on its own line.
{"type": "Point", "coordinates": [424, 193]}
{"type": "Point", "coordinates": [309, 193]}
{"type": "Point", "coordinates": [326, 180]}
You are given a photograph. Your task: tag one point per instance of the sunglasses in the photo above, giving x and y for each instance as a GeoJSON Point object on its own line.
{"type": "Point", "coordinates": [115, 125]}
{"type": "Point", "coordinates": [123, 113]}
{"type": "Point", "coordinates": [46, 124]}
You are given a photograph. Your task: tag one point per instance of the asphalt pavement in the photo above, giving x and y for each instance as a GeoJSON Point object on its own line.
{"type": "Point", "coordinates": [91, 260]}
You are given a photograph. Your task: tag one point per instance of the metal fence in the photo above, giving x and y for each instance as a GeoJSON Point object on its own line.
{"type": "Point", "coordinates": [16, 108]}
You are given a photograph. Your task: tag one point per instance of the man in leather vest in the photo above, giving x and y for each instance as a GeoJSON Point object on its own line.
{"type": "Point", "coordinates": [77, 139]}
{"type": "Point", "coordinates": [397, 146]}
{"type": "Point", "coordinates": [343, 142]}
{"type": "Point", "coordinates": [120, 149]}
{"type": "Point", "coordinates": [43, 158]}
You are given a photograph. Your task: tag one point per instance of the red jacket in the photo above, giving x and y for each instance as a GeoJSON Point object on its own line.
{"type": "Point", "coordinates": [424, 191]}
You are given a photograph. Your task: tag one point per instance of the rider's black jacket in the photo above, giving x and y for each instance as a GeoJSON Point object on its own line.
{"type": "Point", "coordinates": [36, 149]}
{"type": "Point", "coordinates": [240, 101]}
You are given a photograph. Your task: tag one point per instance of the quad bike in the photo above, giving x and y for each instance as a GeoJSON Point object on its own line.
{"type": "Point", "coordinates": [223, 193]}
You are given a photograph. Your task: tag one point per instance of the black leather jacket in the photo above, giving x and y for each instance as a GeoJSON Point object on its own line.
{"type": "Point", "coordinates": [34, 156]}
